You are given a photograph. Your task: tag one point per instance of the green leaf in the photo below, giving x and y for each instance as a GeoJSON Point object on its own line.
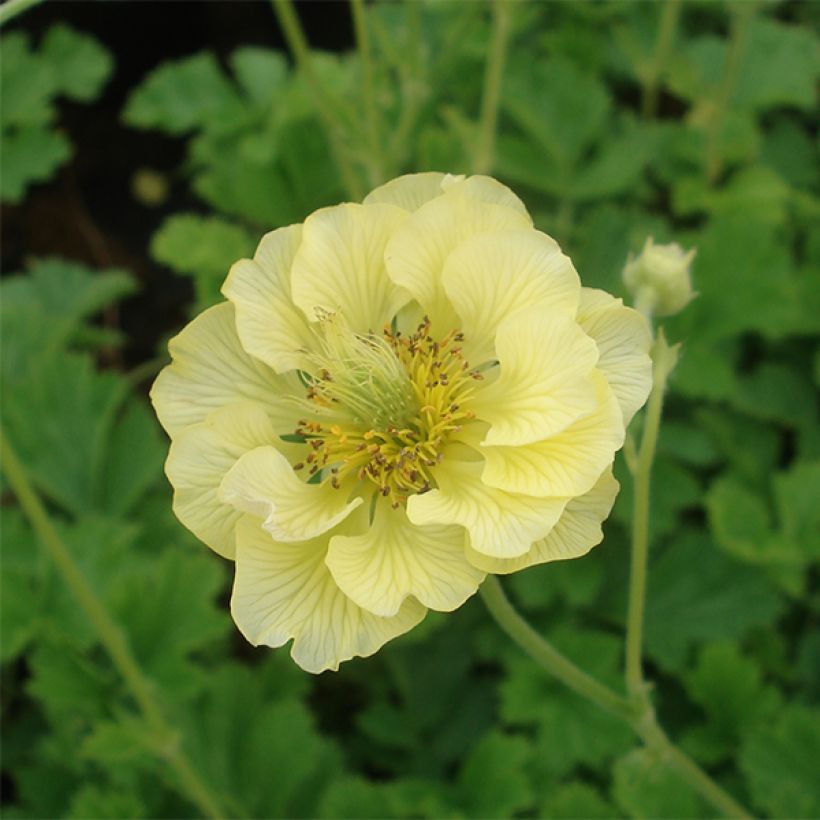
{"type": "Point", "coordinates": [560, 108]}
{"type": "Point", "coordinates": [779, 760]}
{"type": "Point", "coordinates": [44, 310]}
{"type": "Point", "coordinates": [780, 65]}
{"type": "Point", "coordinates": [615, 169]}
{"type": "Point", "coordinates": [30, 155]}
{"type": "Point", "coordinates": [79, 63]}
{"type": "Point", "coordinates": [260, 751]}
{"type": "Point", "coordinates": [64, 420]}
{"type": "Point", "coordinates": [644, 787]}
{"type": "Point", "coordinates": [168, 607]}
{"type": "Point", "coordinates": [777, 392]}
{"type": "Point", "coordinates": [28, 87]}
{"type": "Point", "coordinates": [18, 585]}
{"type": "Point", "coordinates": [261, 73]}
{"type": "Point", "coordinates": [698, 593]}
{"type": "Point", "coordinates": [492, 782]}
{"type": "Point", "coordinates": [574, 582]}
{"type": "Point", "coordinates": [730, 690]}
{"type": "Point", "coordinates": [745, 258]}
{"type": "Point", "coordinates": [201, 247]}
{"type": "Point", "coordinates": [184, 95]}
{"type": "Point", "coordinates": [577, 801]}
{"type": "Point", "coordinates": [103, 802]}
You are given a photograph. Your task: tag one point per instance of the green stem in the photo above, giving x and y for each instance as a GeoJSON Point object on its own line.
{"type": "Point", "coordinates": [493, 74]}
{"type": "Point", "coordinates": [375, 163]}
{"type": "Point", "coordinates": [638, 716]}
{"type": "Point", "coordinates": [547, 656]}
{"type": "Point", "coordinates": [111, 636]}
{"type": "Point", "coordinates": [664, 358]}
{"type": "Point", "coordinates": [297, 43]}
{"type": "Point", "coordinates": [741, 17]}
{"type": "Point", "coordinates": [663, 47]}
{"type": "Point", "coordinates": [11, 8]}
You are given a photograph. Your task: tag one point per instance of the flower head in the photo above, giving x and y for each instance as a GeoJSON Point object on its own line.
{"type": "Point", "coordinates": [659, 277]}
{"type": "Point", "coordinates": [398, 397]}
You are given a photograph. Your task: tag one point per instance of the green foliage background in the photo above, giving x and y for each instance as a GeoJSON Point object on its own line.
{"type": "Point", "coordinates": [448, 721]}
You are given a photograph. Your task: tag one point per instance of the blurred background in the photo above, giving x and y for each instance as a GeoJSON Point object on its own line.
{"type": "Point", "coordinates": [148, 145]}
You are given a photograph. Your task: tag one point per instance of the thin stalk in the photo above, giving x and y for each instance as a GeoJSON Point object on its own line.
{"type": "Point", "coordinates": [664, 358]}
{"type": "Point", "coordinates": [297, 43]}
{"type": "Point", "coordinates": [11, 8]}
{"type": "Point", "coordinates": [639, 717]}
{"type": "Point", "coordinates": [371, 111]}
{"type": "Point", "coordinates": [493, 75]}
{"type": "Point", "coordinates": [111, 636]}
{"type": "Point", "coordinates": [741, 17]}
{"type": "Point", "coordinates": [663, 47]}
{"type": "Point", "coordinates": [546, 655]}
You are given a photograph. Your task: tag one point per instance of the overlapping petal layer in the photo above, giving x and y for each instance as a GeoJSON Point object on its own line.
{"type": "Point", "coordinates": [285, 590]}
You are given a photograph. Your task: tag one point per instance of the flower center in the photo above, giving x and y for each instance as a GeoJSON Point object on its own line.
{"type": "Point", "coordinates": [382, 407]}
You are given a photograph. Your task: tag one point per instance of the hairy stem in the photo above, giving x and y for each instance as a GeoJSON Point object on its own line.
{"type": "Point", "coordinates": [663, 361]}
{"type": "Point", "coordinates": [493, 74]}
{"type": "Point", "coordinates": [663, 47]}
{"type": "Point", "coordinates": [112, 638]}
{"type": "Point", "coordinates": [639, 716]}
{"type": "Point", "coordinates": [547, 655]}
{"type": "Point", "coordinates": [288, 19]}
{"type": "Point", "coordinates": [371, 111]}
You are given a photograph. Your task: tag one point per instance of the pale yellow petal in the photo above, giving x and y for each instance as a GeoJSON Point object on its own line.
{"type": "Point", "coordinates": [339, 266]}
{"type": "Point", "coordinates": [264, 484]}
{"type": "Point", "coordinates": [210, 369]}
{"type": "Point", "coordinates": [623, 338]}
{"type": "Point", "coordinates": [395, 559]}
{"type": "Point", "coordinates": [269, 325]}
{"type": "Point", "coordinates": [545, 381]}
{"type": "Point", "coordinates": [485, 189]}
{"type": "Point", "coordinates": [285, 590]}
{"type": "Point", "coordinates": [410, 191]}
{"type": "Point", "coordinates": [500, 524]}
{"type": "Point", "coordinates": [199, 459]}
{"type": "Point", "coordinates": [416, 253]}
{"type": "Point", "coordinates": [576, 533]}
{"type": "Point", "coordinates": [566, 464]}
{"type": "Point", "coordinates": [492, 276]}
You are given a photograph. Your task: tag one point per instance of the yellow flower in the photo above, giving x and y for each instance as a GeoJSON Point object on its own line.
{"type": "Point", "coordinates": [399, 397]}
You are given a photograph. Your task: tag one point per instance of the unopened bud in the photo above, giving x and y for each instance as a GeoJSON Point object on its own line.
{"type": "Point", "coordinates": [659, 278]}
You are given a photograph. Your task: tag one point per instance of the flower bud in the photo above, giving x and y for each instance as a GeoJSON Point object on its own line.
{"type": "Point", "coordinates": [659, 278]}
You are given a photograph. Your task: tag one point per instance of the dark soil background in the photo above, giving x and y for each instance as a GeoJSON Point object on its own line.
{"type": "Point", "coordinates": [88, 213]}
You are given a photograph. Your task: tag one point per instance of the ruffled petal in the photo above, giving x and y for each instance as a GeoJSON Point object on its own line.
{"type": "Point", "coordinates": [262, 483]}
{"type": "Point", "coordinates": [485, 189]}
{"type": "Point", "coordinates": [410, 191]}
{"type": "Point", "coordinates": [395, 559]}
{"type": "Point", "coordinates": [500, 524]}
{"type": "Point", "coordinates": [623, 338]}
{"type": "Point", "coordinates": [283, 591]}
{"type": "Point", "coordinates": [567, 464]}
{"type": "Point", "coordinates": [492, 276]}
{"type": "Point", "coordinates": [545, 381]}
{"type": "Point", "coordinates": [199, 459]}
{"type": "Point", "coordinates": [339, 266]}
{"type": "Point", "coordinates": [576, 533]}
{"type": "Point", "coordinates": [416, 253]}
{"type": "Point", "coordinates": [269, 325]}
{"type": "Point", "coordinates": [210, 369]}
